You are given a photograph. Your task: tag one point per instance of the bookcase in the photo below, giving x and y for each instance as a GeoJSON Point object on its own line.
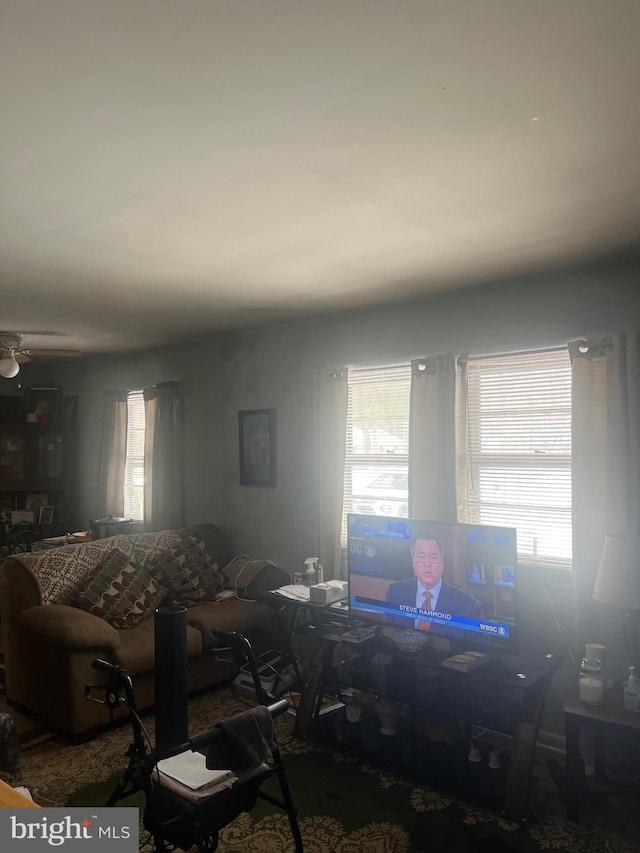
{"type": "Point", "coordinates": [38, 467]}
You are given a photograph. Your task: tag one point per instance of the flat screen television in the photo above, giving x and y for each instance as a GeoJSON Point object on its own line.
{"type": "Point", "coordinates": [468, 570]}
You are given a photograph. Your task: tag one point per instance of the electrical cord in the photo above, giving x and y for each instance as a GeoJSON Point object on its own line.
{"type": "Point", "coordinates": [287, 692]}
{"type": "Point", "coordinates": [556, 620]}
{"type": "Point", "coordinates": [247, 558]}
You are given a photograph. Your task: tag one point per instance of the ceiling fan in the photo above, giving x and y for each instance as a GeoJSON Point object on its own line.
{"type": "Point", "coordinates": [13, 354]}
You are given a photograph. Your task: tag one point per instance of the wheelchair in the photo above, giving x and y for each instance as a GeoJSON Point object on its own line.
{"type": "Point", "coordinates": [175, 820]}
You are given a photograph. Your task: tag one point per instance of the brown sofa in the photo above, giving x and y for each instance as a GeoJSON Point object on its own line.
{"type": "Point", "coordinates": [49, 644]}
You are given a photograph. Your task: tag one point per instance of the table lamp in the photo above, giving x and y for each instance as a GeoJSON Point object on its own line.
{"type": "Point", "coordinates": [618, 584]}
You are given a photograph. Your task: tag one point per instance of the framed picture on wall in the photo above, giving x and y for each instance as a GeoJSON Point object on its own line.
{"type": "Point", "coordinates": [257, 447]}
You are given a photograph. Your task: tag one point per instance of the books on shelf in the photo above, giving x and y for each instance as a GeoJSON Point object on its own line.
{"type": "Point", "coordinates": [358, 635]}
{"type": "Point", "coordinates": [465, 661]}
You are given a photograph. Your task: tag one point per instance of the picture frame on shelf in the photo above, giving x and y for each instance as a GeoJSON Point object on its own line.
{"type": "Point", "coordinates": [257, 447]}
{"type": "Point", "coordinates": [47, 514]}
{"type": "Point", "coordinates": [35, 503]}
{"type": "Point", "coordinates": [69, 409]}
{"type": "Point", "coordinates": [19, 515]}
{"type": "Point", "coordinates": [44, 403]}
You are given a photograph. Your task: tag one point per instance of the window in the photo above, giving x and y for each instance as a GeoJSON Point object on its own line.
{"type": "Point", "coordinates": [134, 462]}
{"type": "Point", "coordinates": [376, 479]}
{"type": "Point", "coordinates": [518, 451]}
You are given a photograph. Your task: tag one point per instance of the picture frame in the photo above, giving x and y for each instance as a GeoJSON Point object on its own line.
{"type": "Point", "coordinates": [34, 503]}
{"type": "Point", "coordinates": [47, 514]}
{"type": "Point", "coordinates": [257, 447]}
{"type": "Point", "coordinates": [43, 403]}
{"type": "Point", "coordinates": [69, 409]}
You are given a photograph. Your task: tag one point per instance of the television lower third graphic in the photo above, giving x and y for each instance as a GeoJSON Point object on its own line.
{"type": "Point", "coordinates": [106, 830]}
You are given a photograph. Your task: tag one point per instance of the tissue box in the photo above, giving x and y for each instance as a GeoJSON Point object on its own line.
{"type": "Point", "coordinates": [327, 593]}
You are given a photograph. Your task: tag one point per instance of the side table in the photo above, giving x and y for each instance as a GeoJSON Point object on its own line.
{"type": "Point", "coordinates": [287, 611]}
{"type": "Point", "coordinates": [610, 716]}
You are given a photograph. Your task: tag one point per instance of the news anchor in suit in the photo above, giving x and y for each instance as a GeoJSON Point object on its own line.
{"type": "Point", "coordinates": [428, 590]}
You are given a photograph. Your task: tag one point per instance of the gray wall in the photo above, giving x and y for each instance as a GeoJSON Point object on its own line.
{"type": "Point", "coordinates": [273, 368]}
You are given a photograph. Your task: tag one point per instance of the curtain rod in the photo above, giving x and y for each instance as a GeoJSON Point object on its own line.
{"type": "Point", "coordinates": [516, 352]}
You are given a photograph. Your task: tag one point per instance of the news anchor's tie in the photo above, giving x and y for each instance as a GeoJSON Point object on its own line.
{"type": "Point", "coordinates": [423, 625]}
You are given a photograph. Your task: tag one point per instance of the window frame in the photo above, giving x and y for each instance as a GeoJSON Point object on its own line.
{"type": "Point", "coordinates": [133, 495]}
{"type": "Point", "coordinates": [556, 362]}
{"type": "Point", "coordinates": [382, 460]}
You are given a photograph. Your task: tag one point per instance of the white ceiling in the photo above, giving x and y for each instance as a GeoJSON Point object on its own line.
{"type": "Point", "coordinates": [173, 167]}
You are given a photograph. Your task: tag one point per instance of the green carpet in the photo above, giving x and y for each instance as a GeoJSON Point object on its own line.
{"type": "Point", "coordinates": [344, 807]}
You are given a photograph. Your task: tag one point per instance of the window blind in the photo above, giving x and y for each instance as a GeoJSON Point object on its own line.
{"type": "Point", "coordinates": [518, 451]}
{"type": "Point", "coordinates": [377, 442]}
{"type": "Point", "coordinates": [134, 462]}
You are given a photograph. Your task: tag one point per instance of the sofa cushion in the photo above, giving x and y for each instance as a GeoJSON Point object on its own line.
{"type": "Point", "coordinates": [136, 652]}
{"type": "Point", "coordinates": [64, 627]}
{"type": "Point", "coordinates": [121, 592]}
{"type": "Point", "coordinates": [187, 573]}
{"type": "Point", "coordinates": [213, 579]}
{"type": "Point", "coordinates": [245, 617]}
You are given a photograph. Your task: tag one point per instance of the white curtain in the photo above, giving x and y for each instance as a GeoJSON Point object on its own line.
{"type": "Point", "coordinates": [432, 453]}
{"type": "Point", "coordinates": [112, 454]}
{"type": "Point", "coordinates": [605, 465]}
{"type": "Point", "coordinates": [163, 508]}
{"type": "Point", "coordinates": [329, 430]}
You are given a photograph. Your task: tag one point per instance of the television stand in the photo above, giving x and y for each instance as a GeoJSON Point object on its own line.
{"type": "Point", "coordinates": [504, 694]}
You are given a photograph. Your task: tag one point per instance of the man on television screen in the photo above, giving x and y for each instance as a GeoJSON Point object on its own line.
{"type": "Point", "coordinates": [427, 589]}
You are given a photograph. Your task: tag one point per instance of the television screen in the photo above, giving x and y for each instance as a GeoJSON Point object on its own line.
{"type": "Point", "coordinates": [458, 582]}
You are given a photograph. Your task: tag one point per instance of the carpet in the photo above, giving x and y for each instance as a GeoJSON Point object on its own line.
{"type": "Point", "coordinates": [343, 806]}
{"type": "Point", "coordinates": [28, 728]}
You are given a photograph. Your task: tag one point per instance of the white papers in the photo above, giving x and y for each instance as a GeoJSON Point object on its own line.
{"type": "Point", "coordinates": [295, 591]}
{"type": "Point", "coordinates": [225, 594]}
{"type": "Point", "coordinates": [24, 791]}
{"type": "Point", "coordinates": [190, 769]}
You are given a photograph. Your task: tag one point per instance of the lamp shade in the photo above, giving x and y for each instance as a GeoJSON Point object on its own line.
{"type": "Point", "coordinates": [9, 367]}
{"type": "Point", "coordinates": [618, 580]}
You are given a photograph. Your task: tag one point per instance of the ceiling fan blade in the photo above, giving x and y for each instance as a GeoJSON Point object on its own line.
{"type": "Point", "coordinates": [53, 353]}
{"type": "Point", "coordinates": [21, 358]}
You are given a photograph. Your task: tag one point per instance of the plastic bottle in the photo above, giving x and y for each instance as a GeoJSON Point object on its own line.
{"type": "Point", "coordinates": [632, 692]}
{"type": "Point", "coordinates": [319, 573]}
{"type": "Point", "coordinates": [310, 571]}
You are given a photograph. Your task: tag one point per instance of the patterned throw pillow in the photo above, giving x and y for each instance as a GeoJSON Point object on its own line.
{"type": "Point", "coordinates": [187, 572]}
{"type": "Point", "coordinates": [214, 578]}
{"type": "Point", "coordinates": [120, 592]}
